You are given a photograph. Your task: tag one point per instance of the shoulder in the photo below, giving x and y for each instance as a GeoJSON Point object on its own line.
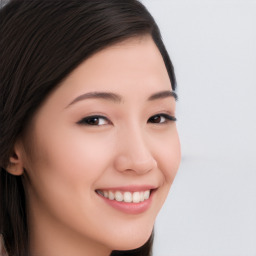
{"type": "Point", "coordinates": [2, 248]}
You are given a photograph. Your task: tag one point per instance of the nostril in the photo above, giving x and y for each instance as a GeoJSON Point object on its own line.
{"type": "Point", "coordinates": [135, 159]}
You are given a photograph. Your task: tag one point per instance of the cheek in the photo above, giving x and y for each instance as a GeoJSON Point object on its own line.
{"type": "Point", "coordinates": [78, 158]}
{"type": "Point", "coordinates": [63, 173]}
{"type": "Point", "coordinates": [169, 155]}
{"type": "Point", "coordinates": [66, 161]}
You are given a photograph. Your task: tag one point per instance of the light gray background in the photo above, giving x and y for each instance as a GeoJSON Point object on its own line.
{"type": "Point", "coordinates": [211, 208]}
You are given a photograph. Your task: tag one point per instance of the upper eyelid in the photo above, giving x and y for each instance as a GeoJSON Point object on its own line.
{"type": "Point", "coordinates": [164, 113]}
{"type": "Point", "coordinates": [93, 116]}
{"type": "Point", "coordinates": [170, 117]}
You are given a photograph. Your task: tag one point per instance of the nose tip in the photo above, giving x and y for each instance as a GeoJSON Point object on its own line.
{"type": "Point", "coordinates": [140, 162]}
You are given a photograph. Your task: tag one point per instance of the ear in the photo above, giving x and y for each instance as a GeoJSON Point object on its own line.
{"type": "Point", "coordinates": [15, 166]}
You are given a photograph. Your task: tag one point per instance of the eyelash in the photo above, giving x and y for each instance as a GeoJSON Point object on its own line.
{"type": "Point", "coordinates": [89, 121]}
{"type": "Point", "coordinates": [166, 116]}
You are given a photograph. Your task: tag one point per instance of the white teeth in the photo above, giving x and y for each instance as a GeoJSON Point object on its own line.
{"type": "Point", "coordinates": [119, 196]}
{"type": "Point", "coordinates": [111, 195]}
{"type": "Point", "coordinates": [136, 197]}
{"type": "Point", "coordinates": [146, 194]}
{"type": "Point", "coordinates": [128, 197]}
{"type": "Point", "coordinates": [142, 196]}
{"type": "Point", "coordinates": [105, 193]}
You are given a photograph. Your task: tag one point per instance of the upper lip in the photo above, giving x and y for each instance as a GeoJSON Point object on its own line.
{"type": "Point", "coordinates": [130, 188]}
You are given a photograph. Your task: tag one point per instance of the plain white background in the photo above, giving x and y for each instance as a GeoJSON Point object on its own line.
{"type": "Point", "coordinates": [211, 208]}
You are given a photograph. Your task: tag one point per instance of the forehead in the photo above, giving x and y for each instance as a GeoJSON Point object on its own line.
{"type": "Point", "coordinates": [132, 68]}
{"type": "Point", "coordinates": [129, 63]}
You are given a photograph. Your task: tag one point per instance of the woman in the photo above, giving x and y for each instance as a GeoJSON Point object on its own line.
{"type": "Point", "coordinates": [89, 146]}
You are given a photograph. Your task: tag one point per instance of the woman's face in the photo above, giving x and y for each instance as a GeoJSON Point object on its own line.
{"type": "Point", "coordinates": [108, 130]}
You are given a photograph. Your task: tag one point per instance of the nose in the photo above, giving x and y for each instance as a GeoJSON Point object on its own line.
{"type": "Point", "coordinates": [134, 154]}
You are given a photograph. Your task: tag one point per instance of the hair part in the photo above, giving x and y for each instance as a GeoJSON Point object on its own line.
{"type": "Point", "coordinates": [42, 42]}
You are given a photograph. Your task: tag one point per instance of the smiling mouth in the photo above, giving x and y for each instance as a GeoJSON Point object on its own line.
{"type": "Point", "coordinates": [126, 196]}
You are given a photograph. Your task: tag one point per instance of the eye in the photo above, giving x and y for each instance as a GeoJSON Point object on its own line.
{"type": "Point", "coordinates": [161, 119]}
{"type": "Point", "coordinates": [94, 121]}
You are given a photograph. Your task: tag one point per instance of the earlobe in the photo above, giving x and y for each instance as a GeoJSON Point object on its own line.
{"type": "Point", "coordinates": [15, 166]}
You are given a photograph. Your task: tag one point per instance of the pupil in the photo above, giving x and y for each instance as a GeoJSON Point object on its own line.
{"type": "Point", "coordinates": [156, 119]}
{"type": "Point", "coordinates": [93, 121]}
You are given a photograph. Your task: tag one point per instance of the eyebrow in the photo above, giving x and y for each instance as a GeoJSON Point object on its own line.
{"type": "Point", "coordinates": [118, 99]}
{"type": "Point", "coordinates": [163, 94]}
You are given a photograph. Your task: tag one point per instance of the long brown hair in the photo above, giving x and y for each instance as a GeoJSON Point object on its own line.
{"type": "Point", "coordinates": [41, 42]}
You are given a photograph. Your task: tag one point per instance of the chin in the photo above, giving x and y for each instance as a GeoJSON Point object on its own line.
{"type": "Point", "coordinates": [133, 242]}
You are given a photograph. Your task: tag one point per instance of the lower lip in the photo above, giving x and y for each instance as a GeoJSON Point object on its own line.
{"type": "Point", "coordinates": [130, 208]}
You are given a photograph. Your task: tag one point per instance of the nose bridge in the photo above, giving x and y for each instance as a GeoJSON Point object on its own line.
{"type": "Point", "coordinates": [134, 151]}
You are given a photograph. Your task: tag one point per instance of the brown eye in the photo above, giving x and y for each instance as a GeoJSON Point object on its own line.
{"type": "Point", "coordinates": [155, 119]}
{"type": "Point", "coordinates": [161, 118]}
{"type": "Point", "coordinates": [94, 121]}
